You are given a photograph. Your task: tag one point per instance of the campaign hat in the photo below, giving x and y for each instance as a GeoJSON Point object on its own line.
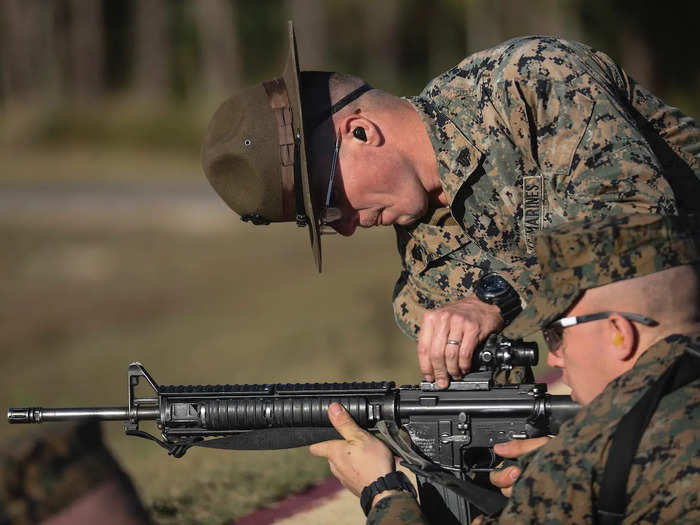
{"type": "Point", "coordinates": [256, 151]}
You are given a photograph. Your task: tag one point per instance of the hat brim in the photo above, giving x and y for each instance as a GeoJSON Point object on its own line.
{"type": "Point", "coordinates": [540, 312]}
{"type": "Point", "coordinates": [291, 79]}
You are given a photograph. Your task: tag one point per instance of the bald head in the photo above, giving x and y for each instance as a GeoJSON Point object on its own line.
{"type": "Point", "coordinates": [322, 90]}
{"type": "Point", "coordinates": [592, 354]}
{"type": "Point", "coordinates": [671, 297]}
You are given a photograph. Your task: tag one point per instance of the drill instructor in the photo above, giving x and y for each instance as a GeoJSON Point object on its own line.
{"type": "Point", "coordinates": [528, 135]}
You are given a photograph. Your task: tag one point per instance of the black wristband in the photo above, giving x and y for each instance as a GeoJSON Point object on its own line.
{"type": "Point", "coordinates": [393, 481]}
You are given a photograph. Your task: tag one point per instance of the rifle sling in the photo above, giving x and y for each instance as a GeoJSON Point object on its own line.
{"type": "Point", "coordinates": [487, 501]}
{"type": "Point", "coordinates": [272, 438]}
{"type": "Point", "coordinates": [627, 435]}
{"type": "Point", "coordinates": [280, 438]}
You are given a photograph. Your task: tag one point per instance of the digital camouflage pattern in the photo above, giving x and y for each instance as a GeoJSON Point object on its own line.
{"type": "Point", "coordinates": [594, 252]}
{"type": "Point", "coordinates": [398, 509]}
{"type": "Point", "coordinates": [559, 482]}
{"type": "Point", "coordinates": [529, 135]}
{"type": "Point", "coordinates": [43, 472]}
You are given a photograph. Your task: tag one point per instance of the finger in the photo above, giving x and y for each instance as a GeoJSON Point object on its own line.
{"type": "Point", "coordinates": [452, 350]}
{"type": "Point", "coordinates": [437, 351]}
{"type": "Point", "coordinates": [451, 354]}
{"type": "Point", "coordinates": [466, 350]}
{"type": "Point", "coordinates": [425, 337]}
{"type": "Point", "coordinates": [344, 423]}
{"type": "Point", "coordinates": [518, 447]}
{"type": "Point", "coordinates": [324, 449]}
{"type": "Point", "coordinates": [504, 478]}
{"type": "Point", "coordinates": [333, 468]}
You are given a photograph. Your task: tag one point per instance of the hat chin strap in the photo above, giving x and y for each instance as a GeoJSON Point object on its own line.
{"type": "Point", "coordinates": [301, 218]}
{"type": "Point", "coordinates": [290, 144]}
{"type": "Point", "coordinates": [347, 99]}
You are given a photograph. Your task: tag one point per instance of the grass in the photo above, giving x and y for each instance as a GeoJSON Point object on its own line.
{"type": "Point", "coordinates": [115, 122]}
{"type": "Point", "coordinates": [81, 299]}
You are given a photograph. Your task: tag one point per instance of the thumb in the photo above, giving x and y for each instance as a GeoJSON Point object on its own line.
{"type": "Point", "coordinates": [344, 423]}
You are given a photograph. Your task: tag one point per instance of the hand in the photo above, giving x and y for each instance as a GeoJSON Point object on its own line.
{"type": "Point", "coordinates": [468, 321]}
{"type": "Point", "coordinates": [358, 460]}
{"type": "Point", "coordinates": [504, 479]}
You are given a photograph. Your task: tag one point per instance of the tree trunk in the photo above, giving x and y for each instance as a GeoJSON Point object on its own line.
{"type": "Point", "coordinates": [25, 48]}
{"type": "Point", "coordinates": [151, 77]}
{"type": "Point", "coordinates": [484, 27]}
{"type": "Point", "coordinates": [382, 43]}
{"type": "Point", "coordinates": [85, 49]}
{"type": "Point", "coordinates": [492, 22]}
{"type": "Point", "coordinates": [637, 59]}
{"type": "Point", "coordinates": [311, 27]}
{"type": "Point", "coordinates": [221, 54]}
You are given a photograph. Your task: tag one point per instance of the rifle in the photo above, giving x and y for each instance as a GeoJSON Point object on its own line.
{"type": "Point", "coordinates": [445, 437]}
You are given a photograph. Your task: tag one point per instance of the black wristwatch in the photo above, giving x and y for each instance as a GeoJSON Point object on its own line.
{"type": "Point", "coordinates": [494, 289]}
{"type": "Point", "coordinates": [393, 481]}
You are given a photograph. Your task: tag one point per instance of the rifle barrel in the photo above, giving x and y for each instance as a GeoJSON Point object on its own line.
{"type": "Point", "coordinates": [40, 415]}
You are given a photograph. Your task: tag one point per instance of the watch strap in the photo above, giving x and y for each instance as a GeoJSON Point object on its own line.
{"type": "Point", "coordinates": [396, 480]}
{"type": "Point", "coordinates": [510, 309]}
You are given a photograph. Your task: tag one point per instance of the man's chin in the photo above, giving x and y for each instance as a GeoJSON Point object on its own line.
{"type": "Point", "coordinates": [345, 231]}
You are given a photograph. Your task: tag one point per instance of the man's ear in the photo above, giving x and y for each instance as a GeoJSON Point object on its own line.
{"type": "Point", "coordinates": [623, 337]}
{"type": "Point", "coordinates": [357, 127]}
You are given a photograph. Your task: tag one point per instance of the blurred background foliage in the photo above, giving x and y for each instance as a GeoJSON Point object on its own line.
{"type": "Point", "coordinates": [115, 249]}
{"type": "Point", "coordinates": [79, 63]}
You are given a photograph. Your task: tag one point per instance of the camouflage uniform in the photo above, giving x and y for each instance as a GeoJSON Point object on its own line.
{"type": "Point", "coordinates": [528, 135]}
{"type": "Point", "coordinates": [44, 472]}
{"type": "Point", "coordinates": [400, 508]}
{"type": "Point", "coordinates": [559, 483]}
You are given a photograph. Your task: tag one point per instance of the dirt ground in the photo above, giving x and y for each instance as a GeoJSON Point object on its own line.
{"type": "Point", "coordinates": [117, 256]}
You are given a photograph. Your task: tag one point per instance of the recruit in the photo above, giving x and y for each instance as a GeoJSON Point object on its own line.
{"type": "Point", "coordinates": [619, 306]}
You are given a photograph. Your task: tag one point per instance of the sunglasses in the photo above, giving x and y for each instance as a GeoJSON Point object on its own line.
{"type": "Point", "coordinates": [554, 333]}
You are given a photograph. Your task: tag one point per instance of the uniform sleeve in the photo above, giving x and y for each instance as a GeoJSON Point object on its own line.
{"type": "Point", "coordinates": [680, 131]}
{"type": "Point", "coordinates": [618, 168]}
{"type": "Point", "coordinates": [555, 487]}
{"type": "Point", "coordinates": [401, 509]}
{"type": "Point", "coordinates": [601, 165]}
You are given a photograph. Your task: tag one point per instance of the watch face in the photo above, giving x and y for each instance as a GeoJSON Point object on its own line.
{"type": "Point", "coordinates": [493, 285]}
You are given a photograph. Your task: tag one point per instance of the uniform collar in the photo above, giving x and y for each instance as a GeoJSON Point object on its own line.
{"type": "Point", "coordinates": [435, 236]}
{"type": "Point", "coordinates": [653, 362]}
{"type": "Point", "coordinates": [623, 392]}
{"type": "Point", "coordinates": [457, 157]}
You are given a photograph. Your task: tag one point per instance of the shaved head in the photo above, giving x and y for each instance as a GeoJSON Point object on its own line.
{"type": "Point", "coordinates": [671, 297]}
